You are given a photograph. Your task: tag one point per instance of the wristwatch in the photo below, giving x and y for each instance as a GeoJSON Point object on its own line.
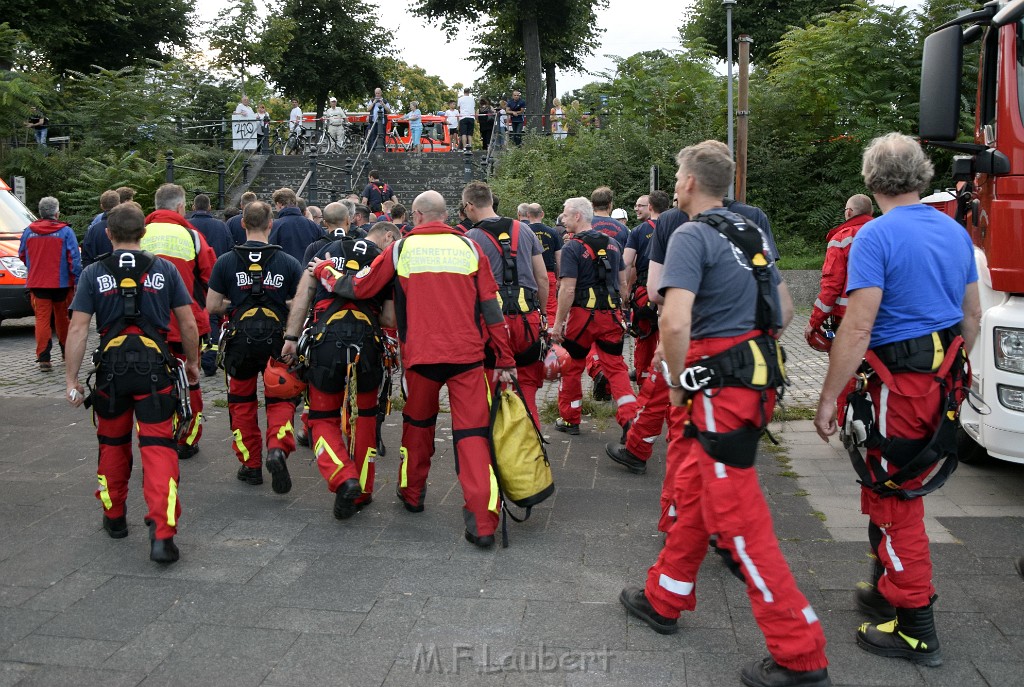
{"type": "Point", "coordinates": [289, 337]}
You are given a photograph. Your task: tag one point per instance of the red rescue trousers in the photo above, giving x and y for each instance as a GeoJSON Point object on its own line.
{"type": "Point", "coordinates": [195, 396]}
{"type": "Point", "coordinates": [643, 355]}
{"type": "Point", "coordinates": [333, 458]}
{"type": "Point", "coordinates": [552, 304]}
{"type": "Point", "coordinates": [157, 448]}
{"type": "Point", "coordinates": [601, 329]}
{"type": "Point", "coordinates": [469, 397]}
{"type": "Point", "coordinates": [713, 498]}
{"type": "Point", "coordinates": [896, 528]}
{"type": "Point", "coordinates": [245, 424]}
{"type": "Point", "coordinates": [523, 334]}
{"type": "Point", "coordinates": [677, 417]}
{"type": "Point", "coordinates": [652, 407]}
{"type": "Point", "coordinates": [44, 309]}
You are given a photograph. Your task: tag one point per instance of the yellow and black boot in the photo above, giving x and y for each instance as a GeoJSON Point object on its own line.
{"type": "Point", "coordinates": [911, 636]}
{"type": "Point", "coordinates": [869, 600]}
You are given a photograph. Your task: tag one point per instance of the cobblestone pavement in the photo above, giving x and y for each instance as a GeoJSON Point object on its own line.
{"type": "Point", "coordinates": [272, 590]}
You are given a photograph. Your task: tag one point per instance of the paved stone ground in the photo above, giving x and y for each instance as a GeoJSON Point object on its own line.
{"type": "Point", "coordinates": [271, 590]}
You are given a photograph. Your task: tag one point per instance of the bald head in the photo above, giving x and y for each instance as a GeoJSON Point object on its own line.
{"type": "Point", "coordinates": [859, 204]}
{"type": "Point", "coordinates": [431, 205]}
{"type": "Point", "coordinates": [336, 215]}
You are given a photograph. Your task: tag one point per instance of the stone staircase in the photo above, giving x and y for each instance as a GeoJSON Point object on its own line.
{"type": "Point", "coordinates": [408, 174]}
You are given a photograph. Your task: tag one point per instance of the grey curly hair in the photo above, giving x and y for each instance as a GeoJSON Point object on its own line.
{"type": "Point", "coordinates": [895, 164]}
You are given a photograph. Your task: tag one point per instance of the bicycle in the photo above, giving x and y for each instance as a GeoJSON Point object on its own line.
{"type": "Point", "coordinates": [297, 142]}
{"type": "Point", "coordinates": [327, 143]}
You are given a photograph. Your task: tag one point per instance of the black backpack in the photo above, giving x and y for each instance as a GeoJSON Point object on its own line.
{"type": "Point", "coordinates": [255, 329]}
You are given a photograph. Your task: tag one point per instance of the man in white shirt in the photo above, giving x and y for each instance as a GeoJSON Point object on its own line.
{"type": "Point", "coordinates": [336, 117]}
{"type": "Point", "coordinates": [467, 118]}
{"type": "Point", "coordinates": [295, 117]}
{"type": "Point", "coordinates": [452, 114]}
{"type": "Point", "coordinates": [244, 109]}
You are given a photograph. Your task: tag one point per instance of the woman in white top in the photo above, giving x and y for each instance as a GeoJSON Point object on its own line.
{"type": "Point", "coordinates": [557, 120]}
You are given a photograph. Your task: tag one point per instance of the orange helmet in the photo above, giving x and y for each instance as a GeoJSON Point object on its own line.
{"type": "Point", "coordinates": [281, 381]}
{"type": "Point", "coordinates": [820, 340]}
{"type": "Point", "coordinates": [554, 361]}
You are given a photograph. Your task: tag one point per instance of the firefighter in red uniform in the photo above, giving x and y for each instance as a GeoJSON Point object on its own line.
{"type": "Point", "coordinates": [913, 312]}
{"type": "Point", "coordinates": [133, 295]}
{"type": "Point", "coordinates": [253, 285]}
{"type": "Point", "coordinates": [724, 306]}
{"type": "Point", "coordinates": [344, 351]}
{"type": "Point", "coordinates": [435, 264]}
{"type": "Point", "coordinates": [169, 235]}
{"type": "Point", "coordinates": [830, 305]}
{"type": "Point", "coordinates": [515, 254]}
{"type": "Point", "coordinates": [589, 315]}
{"type": "Point", "coordinates": [643, 312]}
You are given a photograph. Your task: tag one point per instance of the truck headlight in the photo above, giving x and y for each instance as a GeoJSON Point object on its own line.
{"type": "Point", "coordinates": [1009, 349]}
{"type": "Point", "coordinates": [1011, 396]}
{"type": "Point", "coordinates": [15, 266]}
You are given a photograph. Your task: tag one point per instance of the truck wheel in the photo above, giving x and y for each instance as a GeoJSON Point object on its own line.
{"type": "Point", "coordinates": [968, 450]}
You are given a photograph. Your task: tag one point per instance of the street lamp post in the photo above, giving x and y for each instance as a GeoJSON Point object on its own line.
{"type": "Point", "coordinates": [728, 5]}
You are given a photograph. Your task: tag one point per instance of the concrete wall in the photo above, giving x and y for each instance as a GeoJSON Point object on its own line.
{"type": "Point", "coordinates": [803, 286]}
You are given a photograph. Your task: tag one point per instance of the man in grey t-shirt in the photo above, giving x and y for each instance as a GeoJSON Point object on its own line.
{"type": "Point", "coordinates": [521, 300]}
{"type": "Point", "coordinates": [710, 321]}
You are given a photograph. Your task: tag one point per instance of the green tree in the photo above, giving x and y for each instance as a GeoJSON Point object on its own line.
{"type": "Point", "coordinates": [21, 86]}
{"type": "Point", "coordinates": [73, 35]}
{"type": "Point", "coordinates": [336, 49]}
{"type": "Point", "coordinates": [570, 35]}
{"type": "Point", "coordinates": [835, 85]}
{"type": "Point", "coordinates": [454, 15]}
{"type": "Point", "coordinates": [406, 82]}
{"type": "Point", "coordinates": [244, 40]}
{"type": "Point", "coordinates": [763, 20]}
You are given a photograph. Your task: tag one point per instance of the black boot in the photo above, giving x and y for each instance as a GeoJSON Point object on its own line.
{"type": "Point", "coordinates": [911, 636]}
{"type": "Point", "coordinates": [602, 389]}
{"type": "Point", "coordinates": [635, 601]}
{"type": "Point", "coordinates": [280, 480]}
{"type": "Point", "coordinates": [621, 455]}
{"type": "Point", "coordinates": [768, 673]}
{"type": "Point", "coordinates": [345, 499]}
{"type": "Point", "coordinates": [117, 528]}
{"type": "Point", "coordinates": [163, 550]}
{"type": "Point", "coordinates": [869, 600]}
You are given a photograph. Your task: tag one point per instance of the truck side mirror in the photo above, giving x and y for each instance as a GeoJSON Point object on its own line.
{"type": "Point", "coordinates": [941, 70]}
{"type": "Point", "coordinates": [991, 161]}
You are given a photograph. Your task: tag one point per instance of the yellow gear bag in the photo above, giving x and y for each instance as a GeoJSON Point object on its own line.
{"type": "Point", "coordinates": [520, 459]}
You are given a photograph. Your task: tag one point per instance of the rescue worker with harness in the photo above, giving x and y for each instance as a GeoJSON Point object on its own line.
{"type": "Point", "coordinates": [172, 237]}
{"type": "Point", "coordinates": [643, 312]}
{"type": "Point", "coordinates": [517, 263]}
{"type": "Point", "coordinates": [343, 347]}
{"type": "Point", "coordinates": [253, 285]}
{"type": "Point", "coordinates": [912, 314]}
{"type": "Point", "coordinates": [435, 265]}
{"type": "Point", "coordinates": [133, 295]}
{"type": "Point", "coordinates": [589, 315]}
{"type": "Point", "coordinates": [724, 307]}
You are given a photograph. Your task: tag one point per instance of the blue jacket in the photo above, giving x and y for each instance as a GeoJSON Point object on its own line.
{"type": "Point", "coordinates": [214, 231]}
{"type": "Point", "coordinates": [96, 242]}
{"type": "Point", "coordinates": [293, 232]}
{"type": "Point", "coordinates": [236, 229]}
{"type": "Point", "coordinates": [49, 250]}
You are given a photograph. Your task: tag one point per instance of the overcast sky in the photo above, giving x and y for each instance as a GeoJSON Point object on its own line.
{"type": "Point", "coordinates": [630, 27]}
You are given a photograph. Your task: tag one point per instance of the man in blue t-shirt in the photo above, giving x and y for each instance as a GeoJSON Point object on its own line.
{"type": "Point", "coordinates": [913, 294]}
{"type": "Point", "coordinates": [254, 333]}
{"type": "Point", "coordinates": [551, 244]}
{"type": "Point", "coordinates": [135, 376]}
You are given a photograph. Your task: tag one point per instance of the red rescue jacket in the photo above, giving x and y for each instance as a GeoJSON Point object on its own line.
{"type": "Point", "coordinates": [831, 300]}
{"type": "Point", "coordinates": [443, 281]}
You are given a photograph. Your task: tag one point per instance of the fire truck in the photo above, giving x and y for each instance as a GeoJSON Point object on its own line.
{"type": "Point", "coordinates": [989, 202]}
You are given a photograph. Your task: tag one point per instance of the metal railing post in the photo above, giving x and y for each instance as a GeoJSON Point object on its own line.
{"type": "Point", "coordinates": [467, 166]}
{"type": "Point", "coordinates": [245, 171]}
{"type": "Point", "coordinates": [169, 176]}
{"type": "Point", "coordinates": [313, 190]}
{"type": "Point", "coordinates": [221, 173]}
